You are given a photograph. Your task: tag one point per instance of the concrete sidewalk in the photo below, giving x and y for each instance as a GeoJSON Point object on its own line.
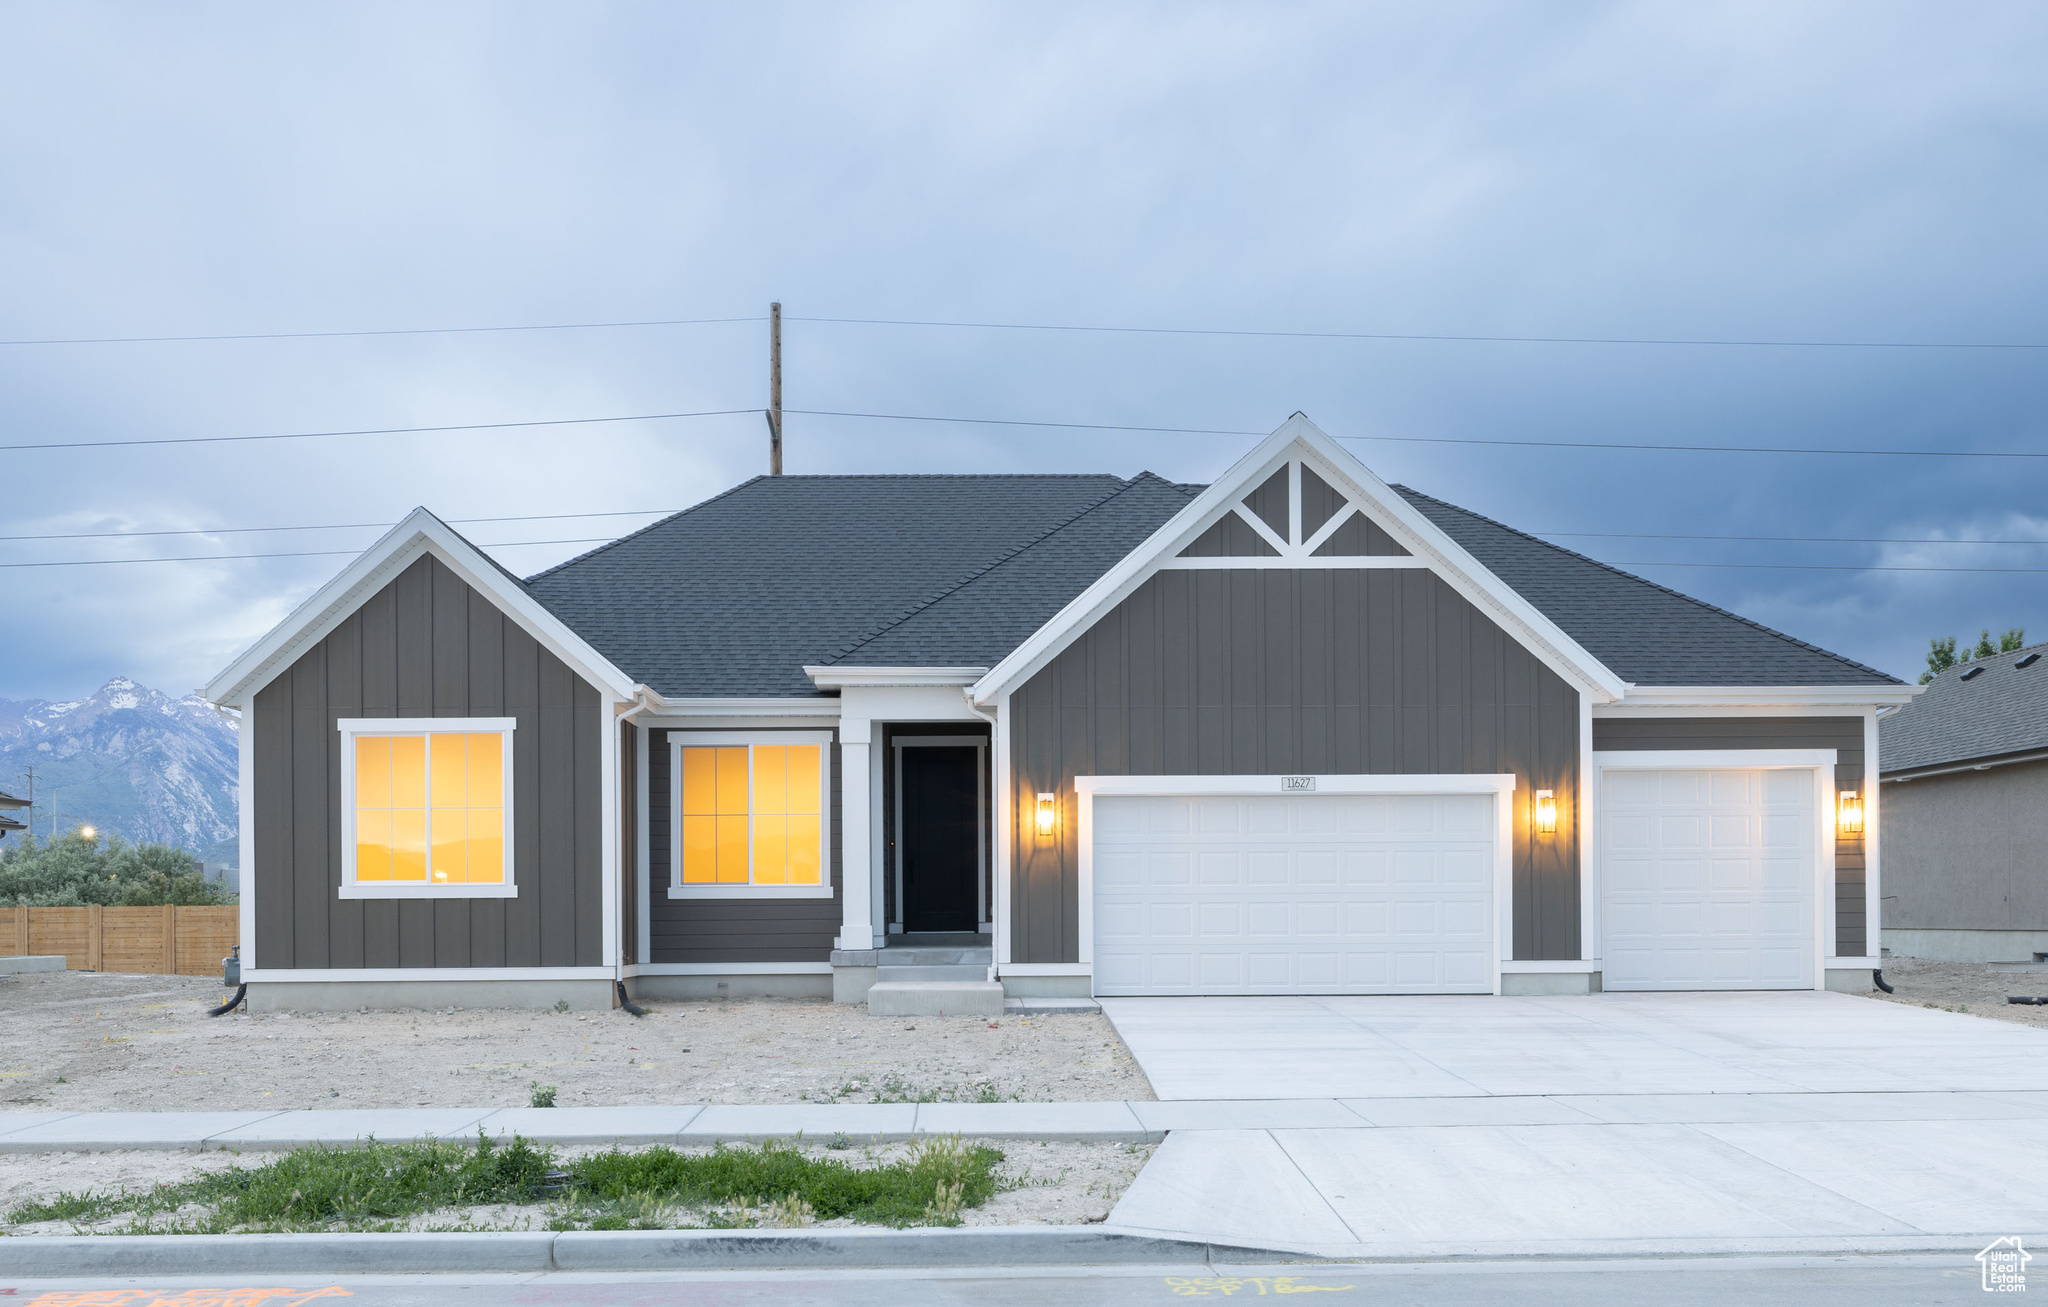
{"type": "Point", "coordinates": [1110, 1122]}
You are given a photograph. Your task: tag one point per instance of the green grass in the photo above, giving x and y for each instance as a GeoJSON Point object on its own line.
{"type": "Point", "coordinates": [380, 1186]}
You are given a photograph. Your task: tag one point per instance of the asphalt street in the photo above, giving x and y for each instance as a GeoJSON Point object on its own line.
{"type": "Point", "coordinates": [1753, 1281]}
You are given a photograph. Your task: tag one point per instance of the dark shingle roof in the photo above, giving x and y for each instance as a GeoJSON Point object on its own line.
{"type": "Point", "coordinates": [2003, 709]}
{"type": "Point", "coordinates": [982, 619]}
{"type": "Point", "coordinates": [735, 596]}
{"type": "Point", "coordinates": [1644, 633]}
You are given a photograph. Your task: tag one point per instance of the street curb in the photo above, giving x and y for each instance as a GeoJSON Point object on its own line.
{"type": "Point", "coordinates": [72, 1256]}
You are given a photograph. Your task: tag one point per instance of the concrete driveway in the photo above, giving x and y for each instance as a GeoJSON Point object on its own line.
{"type": "Point", "coordinates": [1592, 1124]}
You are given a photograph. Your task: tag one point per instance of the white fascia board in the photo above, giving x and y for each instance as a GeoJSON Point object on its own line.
{"type": "Point", "coordinates": [737, 707]}
{"type": "Point", "coordinates": [1833, 699]}
{"type": "Point", "coordinates": [839, 678]}
{"type": "Point", "coordinates": [1401, 519]}
{"type": "Point", "coordinates": [420, 533]}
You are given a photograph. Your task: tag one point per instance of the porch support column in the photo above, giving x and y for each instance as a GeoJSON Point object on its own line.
{"type": "Point", "coordinates": [856, 775]}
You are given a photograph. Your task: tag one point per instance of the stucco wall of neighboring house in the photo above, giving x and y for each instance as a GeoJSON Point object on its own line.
{"type": "Point", "coordinates": [428, 645]}
{"type": "Point", "coordinates": [1967, 851]}
{"type": "Point", "coordinates": [1842, 734]}
{"type": "Point", "coordinates": [731, 930]}
{"type": "Point", "coordinates": [1260, 672]}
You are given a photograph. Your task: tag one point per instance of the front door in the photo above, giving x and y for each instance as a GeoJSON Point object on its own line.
{"type": "Point", "coordinates": [939, 845]}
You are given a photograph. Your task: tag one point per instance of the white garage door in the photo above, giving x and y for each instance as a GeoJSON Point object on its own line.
{"type": "Point", "coordinates": [1706, 879]}
{"type": "Point", "coordinates": [1303, 894]}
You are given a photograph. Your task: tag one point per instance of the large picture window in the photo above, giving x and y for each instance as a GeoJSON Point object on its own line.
{"type": "Point", "coordinates": [426, 807]}
{"type": "Point", "coordinates": [751, 814]}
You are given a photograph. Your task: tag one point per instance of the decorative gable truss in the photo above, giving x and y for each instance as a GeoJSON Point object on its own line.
{"type": "Point", "coordinates": [1294, 519]}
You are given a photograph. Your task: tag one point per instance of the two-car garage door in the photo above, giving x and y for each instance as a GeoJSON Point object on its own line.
{"type": "Point", "coordinates": [1293, 894]}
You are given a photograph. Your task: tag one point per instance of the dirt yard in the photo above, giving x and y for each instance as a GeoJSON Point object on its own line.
{"type": "Point", "coordinates": [1053, 1184]}
{"type": "Point", "coordinates": [81, 1041]}
{"type": "Point", "coordinates": [1966, 987]}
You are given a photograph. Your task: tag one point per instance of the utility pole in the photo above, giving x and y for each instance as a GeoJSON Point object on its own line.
{"type": "Point", "coordinates": [31, 775]}
{"type": "Point", "coordinates": [775, 390]}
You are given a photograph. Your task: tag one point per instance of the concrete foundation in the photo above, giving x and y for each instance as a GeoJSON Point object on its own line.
{"type": "Point", "coordinates": [1549, 982]}
{"type": "Point", "coordinates": [1049, 986]}
{"type": "Point", "coordinates": [785, 985]}
{"type": "Point", "coordinates": [1850, 980]}
{"type": "Point", "coordinates": [1967, 945]}
{"type": "Point", "coordinates": [387, 995]}
{"type": "Point", "coordinates": [850, 984]}
{"type": "Point", "coordinates": [31, 962]}
{"type": "Point", "coordinates": [933, 998]}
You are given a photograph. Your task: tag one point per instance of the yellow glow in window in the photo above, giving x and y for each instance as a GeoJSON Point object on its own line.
{"type": "Point", "coordinates": [430, 809]}
{"type": "Point", "coordinates": [752, 814]}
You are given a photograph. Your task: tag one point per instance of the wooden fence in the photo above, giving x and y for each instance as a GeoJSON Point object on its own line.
{"type": "Point", "coordinates": [166, 941]}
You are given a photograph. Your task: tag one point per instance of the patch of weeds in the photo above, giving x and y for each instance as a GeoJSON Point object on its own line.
{"type": "Point", "coordinates": [85, 1206]}
{"type": "Point", "coordinates": [840, 1143]}
{"type": "Point", "coordinates": [539, 1095]}
{"type": "Point", "coordinates": [561, 1005]}
{"type": "Point", "coordinates": [731, 1179]}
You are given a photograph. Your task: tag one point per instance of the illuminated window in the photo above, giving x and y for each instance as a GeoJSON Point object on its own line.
{"type": "Point", "coordinates": [426, 807]}
{"type": "Point", "coordinates": [750, 814]}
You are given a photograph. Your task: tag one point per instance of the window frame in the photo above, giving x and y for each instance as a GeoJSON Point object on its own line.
{"type": "Point", "coordinates": [677, 741]}
{"type": "Point", "coordinates": [351, 728]}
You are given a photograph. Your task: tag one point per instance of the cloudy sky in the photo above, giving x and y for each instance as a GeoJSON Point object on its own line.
{"type": "Point", "coordinates": [1825, 172]}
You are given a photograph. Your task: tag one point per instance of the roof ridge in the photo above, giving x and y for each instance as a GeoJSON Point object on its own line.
{"type": "Point", "coordinates": [892, 623]}
{"type": "Point", "coordinates": [1679, 594]}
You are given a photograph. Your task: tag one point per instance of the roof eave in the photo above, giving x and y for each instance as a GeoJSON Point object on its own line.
{"type": "Point", "coordinates": [1718, 696]}
{"type": "Point", "coordinates": [839, 678]}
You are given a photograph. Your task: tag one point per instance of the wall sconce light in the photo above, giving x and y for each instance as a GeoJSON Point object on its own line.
{"type": "Point", "coordinates": [1546, 813]}
{"type": "Point", "coordinates": [1048, 813]}
{"type": "Point", "coordinates": [1849, 812]}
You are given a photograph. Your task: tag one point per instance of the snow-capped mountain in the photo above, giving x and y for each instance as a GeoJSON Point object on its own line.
{"type": "Point", "coordinates": [128, 759]}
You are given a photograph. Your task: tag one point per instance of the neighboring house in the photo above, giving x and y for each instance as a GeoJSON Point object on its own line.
{"type": "Point", "coordinates": [1965, 827]}
{"type": "Point", "coordinates": [8, 803]}
{"type": "Point", "coordinates": [1295, 732]}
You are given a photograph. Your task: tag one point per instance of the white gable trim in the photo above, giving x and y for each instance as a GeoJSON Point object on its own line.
{"type": "Point", "coordinates": [1299, 437]}
{"type": "Point", "coordinates": [420, 533]}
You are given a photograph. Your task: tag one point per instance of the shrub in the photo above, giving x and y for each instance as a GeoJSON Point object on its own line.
{"type": "Point", "coordinates": [74, 871]}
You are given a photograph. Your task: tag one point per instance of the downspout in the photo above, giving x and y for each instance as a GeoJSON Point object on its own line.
{"type": "Point", "coordinates": [644, 700]}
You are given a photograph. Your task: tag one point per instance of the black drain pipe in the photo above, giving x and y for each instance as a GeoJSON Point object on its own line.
{"type": "Point", "coordinates": [231, 974]}
{"type": "Point", "coordinates": [628, 1003]}
{"type": "Point", "coordinates": [1877, 977]}
{"type": "Point", "coordinates": [241, 991]}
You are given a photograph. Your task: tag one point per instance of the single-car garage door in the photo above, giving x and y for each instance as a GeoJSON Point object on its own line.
{"type": "Point", "coordinates": [1706, 879]}
{"type": "Point", "coordinates": [1296, 894]}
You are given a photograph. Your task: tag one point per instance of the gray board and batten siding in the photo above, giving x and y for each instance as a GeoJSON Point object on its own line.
{"type": "Point", "coordinates": [428, 645]}
{"type": "Point", "coordinates": [1286, 671]}
{"type": "Point", "coordinates": [1842, 734]}
{"type": "Point", "coordinates": [707, 930]}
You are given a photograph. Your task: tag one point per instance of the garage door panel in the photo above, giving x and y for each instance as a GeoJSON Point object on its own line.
{"type": "Point", "coordinates": [1722, 896]}
{"type": "Point", "coordinates": [1295, 893]}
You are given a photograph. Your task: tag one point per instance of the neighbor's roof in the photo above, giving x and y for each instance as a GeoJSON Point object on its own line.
{"type": "Point", "coordinates": [9, 801]}
{"type": "Point", "coordinates": [736, 596]}
{"type": "Point", "coordinates": [733, 598]}
{"type": "Point", "coordinates": [1643, 632]}
{"type": "Point", "coordinates": [2000, 709]}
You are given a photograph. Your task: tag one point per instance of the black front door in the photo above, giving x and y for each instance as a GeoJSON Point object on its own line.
{"type": "Point", "coordinates": [940, 840]}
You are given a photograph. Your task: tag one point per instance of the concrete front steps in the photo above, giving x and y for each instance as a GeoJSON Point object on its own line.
{"type": "Point", "coordinates": [931, 980]}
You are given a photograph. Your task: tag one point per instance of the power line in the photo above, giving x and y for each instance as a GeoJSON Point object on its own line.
{"type": "Point", "coordinates": [1448, 337]}
{"type": "Point", "coordinates": [388, 331]}
{"type": "Point", "coordinates": [379, 431]}
{"type": "Point", "coordinates": [1444, 440]}
{"type": "Point", "coordinates": [1036, 423]}
{"type": "Point", "coordinates": [302, 553]}
{"type": "Point", "coordinates": [333, 526]}
{"type": "Point", "coordinates": [1245, 332]}
{"type": "Point", "coordinates": [1788, 540]}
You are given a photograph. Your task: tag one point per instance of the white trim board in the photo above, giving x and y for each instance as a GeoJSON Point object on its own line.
{"type": "Point", "coordinates": [1712, 759]}
{"type": "Point", "coordinates": [1501, 785]}
{"type": "Point", "coordinates": [419, 534]}
{"type": "Point", "coordinates": [1807, 700]}
{"type": "Point", "coordinates": [1298, 438]}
